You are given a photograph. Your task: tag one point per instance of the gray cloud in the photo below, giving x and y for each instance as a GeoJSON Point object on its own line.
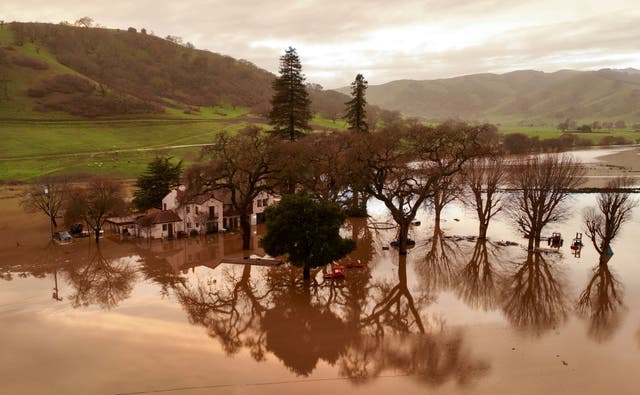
{"type": "Point", "coordinates": [414, 39]}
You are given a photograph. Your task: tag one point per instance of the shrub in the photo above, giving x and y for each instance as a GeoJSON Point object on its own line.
{"type": "Point", "coordinates": [32, 63]}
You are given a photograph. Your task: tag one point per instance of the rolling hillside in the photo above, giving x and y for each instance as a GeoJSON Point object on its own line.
{"type": "Point", "coordinates": [520, 97]}
{"type": "Point", "coordinates": [57, 71]}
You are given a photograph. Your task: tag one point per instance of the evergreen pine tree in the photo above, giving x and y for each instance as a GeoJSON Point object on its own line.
{"type": "Point", "coordinates": [290, 111]}
{"type": "Point", "coordinates": [154, 184]}
{"type": "Point", "coordinates": [356, 115]}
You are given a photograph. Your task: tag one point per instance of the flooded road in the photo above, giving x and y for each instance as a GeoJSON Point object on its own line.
{"type": "Point", "coordinates": [453, 316]}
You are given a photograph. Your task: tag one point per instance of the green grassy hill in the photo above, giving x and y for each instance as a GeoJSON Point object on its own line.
{"type": "Point", "coordinates": [58, 71]}
{"type": "Point", "coordinates": [520, 97]}
{"type": "Point", "coordinates": [85, 101]}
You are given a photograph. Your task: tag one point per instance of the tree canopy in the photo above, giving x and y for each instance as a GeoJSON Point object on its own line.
{"type": "Point", "coordinates": [239, 163]}
{"type": "Point", "coordinates": [154, 184]}
{"type": "Point", "coordinates": [306, 230]}
{"type": "Point", "coordinates": [290, 106]}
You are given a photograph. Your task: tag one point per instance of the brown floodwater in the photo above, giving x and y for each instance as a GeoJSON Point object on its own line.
{"type": "Point", "coordinates": [454, 316]}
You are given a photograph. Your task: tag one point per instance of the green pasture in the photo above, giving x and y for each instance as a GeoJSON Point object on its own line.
{"type": "Point", "coordinates": [31, 149]}
{"type": "Point", "coordinates": [125, 165]}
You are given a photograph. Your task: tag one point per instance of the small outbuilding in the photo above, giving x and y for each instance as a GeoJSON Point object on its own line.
{"type": "Point", "coordinates": [158, 225]}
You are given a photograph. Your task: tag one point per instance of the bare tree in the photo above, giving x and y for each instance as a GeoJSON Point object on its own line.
{"type": "Point", "coordinates": [482, 177]}
{"type": "Point", "coordinates": [445, 191]}
{"type": "Point", "coordinates": [401, 167]}
{"type": "Point", "coordinates": [321, 166]}
{"type": "Point", "coordinates": [99, 200]}
{"type": "Point", "coordinates": [614, 209]}
{"type": "Point", "coordinates": [542, 185]}
{"type": "Point", "coordinates": [239, 163]}
{"type": "Point", "coordinates": [47, 195]}
{"type": "Point", "coordinates": [85, 21]}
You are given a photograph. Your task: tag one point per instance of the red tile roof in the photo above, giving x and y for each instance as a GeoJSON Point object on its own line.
{"type": "Point", "coordinates": [161, 217]}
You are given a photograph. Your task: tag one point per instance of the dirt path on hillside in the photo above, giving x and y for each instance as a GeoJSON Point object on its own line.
{"type": "Point", "coordinates": [91, 153]}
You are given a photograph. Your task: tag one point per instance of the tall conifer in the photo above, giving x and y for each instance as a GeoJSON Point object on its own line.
{"type": "Point", "coordinates": [356, 115]}
{"type": "Point", "coordinates": [290, 111]}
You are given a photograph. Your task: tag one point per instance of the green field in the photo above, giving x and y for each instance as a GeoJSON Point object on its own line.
{"type": "Point", "coordinates": [548, 132]}
{"type": "Point", "coordinates": [119, 148]}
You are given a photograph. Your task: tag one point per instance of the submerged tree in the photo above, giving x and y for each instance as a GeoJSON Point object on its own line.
{"type": "Point", "coordinates": [290, 112]}
{"type": "Point", "coordinates": [319, 162]}
{"type": "Point", "coordinates": [482, 177]}
{"type": "Point", "coordinates": [614, 209]}
{"type": "Point", "coordinates": [402, 167]}
{"type": "Point", "coordinates": [356, 115]}
{"type": "Point", "coordinates": [48, 196]}
{"type": "Point", "coordinates": [93, 204]}
{"type": "Point", "coordinates": [542, 185]}
{"type": "Point", "coordinates": [156, 182]}
{"type": "Point", "coordinates": [307, 231]}
{"type": "Point", "coordinates": [240, 164]}
{"type": "Point", "coordinates": [445, 191]}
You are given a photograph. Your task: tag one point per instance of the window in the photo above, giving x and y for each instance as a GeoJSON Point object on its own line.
{"type": "Point", "coordinates": [164, 206]}
{"type": "Point", "coordinates": [212, 211]}
{"type": "Point", "coordinates": [265, 202]}
{"type": "Point", "coordinates": [197, 210]}
{"type": "Point", "coordinates": [188, 225]}
{"type": "Point", "coordinates": [188, 209]}
{"type": "Point", "coordinates": [197, 225]}
{"type": "Point", "coordinates": [164, 226]}
{"type": "Point", "coordinates": [259, 203]}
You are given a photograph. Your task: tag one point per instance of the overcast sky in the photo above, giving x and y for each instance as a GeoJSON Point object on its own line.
{"type": "Point", "coordinates": [384, 39]}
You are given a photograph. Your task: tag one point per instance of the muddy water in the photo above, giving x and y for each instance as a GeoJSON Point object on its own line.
{"type": "Point", "coordinates": [454, 316]}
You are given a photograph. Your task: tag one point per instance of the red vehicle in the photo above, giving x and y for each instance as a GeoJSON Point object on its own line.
{"type": "Point", "coordinates": [337, 271]}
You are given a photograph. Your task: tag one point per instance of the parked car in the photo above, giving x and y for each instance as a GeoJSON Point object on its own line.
{"type": "Point", "coordinates": [396, 243]}
{"type": "Point", "coordinates": [62, 237]}
{"type": "Point", "coordinates": [76, 230]}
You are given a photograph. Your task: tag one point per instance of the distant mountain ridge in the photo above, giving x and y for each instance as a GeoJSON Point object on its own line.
{"type": "Point", "coordinates": [518, 96]}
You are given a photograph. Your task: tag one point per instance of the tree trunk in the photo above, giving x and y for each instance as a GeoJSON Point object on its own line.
{"type": "Point", "coordinates": [97, 232]}
{"type": "Point", "coordinates": [482, 232]}
{"type": "Point", "coordinates": [306, 273]}
{"type": "Point", "coordinates": [246, 231]}
{"type": "Point", "coordinates": [531, 243]}
{"type": "Point", "coordinates": [403, 236]}
{"type": "Point", "coordinates": [53, 221]}
{"type": "Point", "coordinates": [437, 219]}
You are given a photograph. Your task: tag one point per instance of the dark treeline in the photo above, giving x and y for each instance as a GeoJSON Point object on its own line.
{"type": "Point", "coordinates": [520, 143]}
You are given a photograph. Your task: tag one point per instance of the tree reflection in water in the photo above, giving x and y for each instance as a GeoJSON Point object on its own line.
{"type": "Point", "coordinates": [477, 283]}
{"type": "Point", "coordinates": [232, 310]}
{"type": "Point", "coordinates": [601, 302]}
{"type": "Point", "coordinates": [100, 281]}
{"type": "Point", "coordinates": [395, 336]}
{"type": "Point", "coordinates": [440, 266]}
{"type": "Point", "coordinates": [533, 295]}
{"type": "Point", "coordinates": [363, 327]}
{"type": "Point", "coordinates": [45, 260]}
